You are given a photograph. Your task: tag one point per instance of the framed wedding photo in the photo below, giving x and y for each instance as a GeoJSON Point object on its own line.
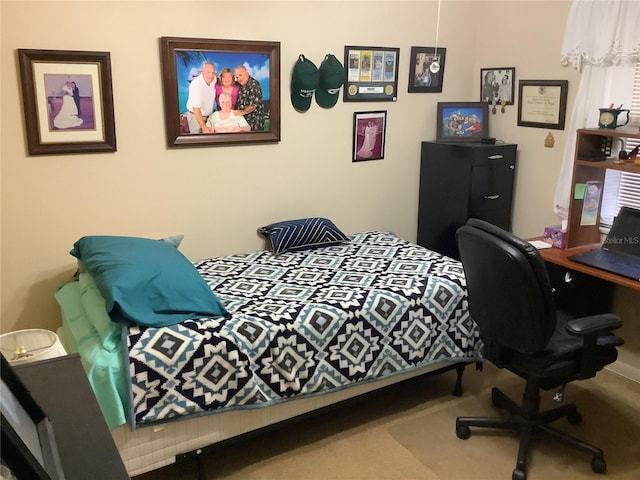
{"type": "Point", "coordinates": [67, 101]}
{"type": "Point", "coordinates": [251, 70]}
{"type": "Point", "coordinates": [497, 85]}
{"type": "Point", "coordinates": [426, 69]}
{"type": "Point", "coordinates": [369, 132]}
{"type": "Point", "coordinates": [462, 121]}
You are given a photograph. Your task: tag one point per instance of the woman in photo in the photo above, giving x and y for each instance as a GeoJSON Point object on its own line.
{"type": "Point", "coordinates": [67, 117]}
{"type": "Point", "coordinates": [224, 120]}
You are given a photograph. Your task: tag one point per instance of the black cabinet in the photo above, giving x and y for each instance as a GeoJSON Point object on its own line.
{"type": "Point", "coordinates": [459, 181]}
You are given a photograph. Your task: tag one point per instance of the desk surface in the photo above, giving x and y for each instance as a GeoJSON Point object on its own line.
{"type": "Point", "coordinates": [61, 388]}
{"type": "Point", "coordinates": [560, 257]}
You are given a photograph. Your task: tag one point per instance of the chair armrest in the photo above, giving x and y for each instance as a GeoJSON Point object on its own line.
{"type": "Point", "coordinates": [602, 323]}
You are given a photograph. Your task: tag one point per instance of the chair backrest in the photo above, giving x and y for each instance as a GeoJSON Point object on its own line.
{"type": "Point", "coordinates": [510, 295]}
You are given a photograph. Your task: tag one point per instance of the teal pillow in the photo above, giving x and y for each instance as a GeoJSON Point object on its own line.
{"type": "Point", "coordinates": [95, 306]}
{"type": "Point", "coordinates": [302, 234]}
{"type": "Point", "coordinates": [148, 282]}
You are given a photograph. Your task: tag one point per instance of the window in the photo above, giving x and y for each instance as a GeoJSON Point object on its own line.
{"type": "Point", "coordinates": [623, 188]}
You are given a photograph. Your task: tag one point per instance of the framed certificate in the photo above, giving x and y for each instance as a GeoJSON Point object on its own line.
{"type": "Point", "coordinates": [371, 74]}
{"type": "Point", "coordinates": [542, 103]}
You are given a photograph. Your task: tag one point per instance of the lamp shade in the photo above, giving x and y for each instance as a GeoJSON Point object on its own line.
{"type": "Point", "coordinates": [23, 346]}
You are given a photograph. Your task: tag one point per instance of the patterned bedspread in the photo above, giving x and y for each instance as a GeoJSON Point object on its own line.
{"type": "Point", "coordinates": [304, 323]}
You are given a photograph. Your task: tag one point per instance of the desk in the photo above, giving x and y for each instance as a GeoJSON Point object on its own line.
{"type": "Point", "coordinates": [559, 257]}
{"type": "Point", "coordinates": [61, 388]}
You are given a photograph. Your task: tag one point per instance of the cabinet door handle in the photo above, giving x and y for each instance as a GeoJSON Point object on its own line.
{"type": "Point", "coordinates": [492, 197]}
{"type": "Point", "coordinates": [495, 157]}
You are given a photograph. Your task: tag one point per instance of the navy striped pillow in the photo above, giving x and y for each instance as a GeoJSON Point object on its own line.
{"type": "Point", "coordinates": [301, 234]}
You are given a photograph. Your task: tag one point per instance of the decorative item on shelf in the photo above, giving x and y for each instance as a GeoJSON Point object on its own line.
{"type": "Point", "coordinates": [549, 141]}
{"type": "Point", "coordinates": [24, 346]}
{"type": "Point", "coordinates": [631, 157]}
{"type": "Point", "coordinates": [609, 117]}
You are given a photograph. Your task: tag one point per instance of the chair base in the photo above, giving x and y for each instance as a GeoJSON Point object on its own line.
{"type": "Point", "coordinates": [528, 420]}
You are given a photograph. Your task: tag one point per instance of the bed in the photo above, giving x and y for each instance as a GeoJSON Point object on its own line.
{"type": "Point", "coordinates": [292, 328]}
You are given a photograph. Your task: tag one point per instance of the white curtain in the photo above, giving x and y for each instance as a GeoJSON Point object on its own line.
{"type": "Point", "coordinates": [602, 40]}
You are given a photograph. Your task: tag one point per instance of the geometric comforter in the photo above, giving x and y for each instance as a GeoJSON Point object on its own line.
{"type": "Point", "coordinates": [304, 323]}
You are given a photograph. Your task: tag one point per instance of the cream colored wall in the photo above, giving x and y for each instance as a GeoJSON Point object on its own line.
{"type": "Point", "coordinates": [217, 196]}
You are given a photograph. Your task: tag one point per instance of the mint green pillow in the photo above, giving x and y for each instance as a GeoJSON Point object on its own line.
{"type": "Point", "coordinates": [95, 306]}
{"type": "Point", "coordinates": [148, 282]}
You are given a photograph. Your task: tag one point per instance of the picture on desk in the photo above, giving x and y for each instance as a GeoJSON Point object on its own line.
{"type": "Point", "coordinates": [591, 203]}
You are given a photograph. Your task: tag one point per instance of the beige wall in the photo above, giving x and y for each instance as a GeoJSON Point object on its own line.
{"type": "Point", "coordinates": [218, 196]}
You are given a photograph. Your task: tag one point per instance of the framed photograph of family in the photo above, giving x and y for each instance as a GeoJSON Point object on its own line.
{"type": "Point", "coordinates": [67, 101]}
{"type": "Point", "coordinates": [220, 92]}
{"type": "Point", "coordinates": [426, 69]}
{"type": "Point", "coordinates": [369, 131]}
{"type": "Point", "coordinates": [497, 85]}
{"type": "Point", "coordinates": [462, 121]}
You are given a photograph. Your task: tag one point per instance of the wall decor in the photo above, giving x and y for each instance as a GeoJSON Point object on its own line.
{"type": "Point", "coordinates": [497, 85]}
{"type": "Point", "coordinates": [372, 74]}
{"type": "Point", "coordinates": [369, 133]}
{"type": "Point", "coordinates": [426, 69]}
{"type": "Point", "coordinates": [67, 101]}
{"type": "Point", "coordinates": [542, 103]}
{"type": "Point", "coordinates": [462, 121]}
{"type": "Point", "coordinates": [251, 70]}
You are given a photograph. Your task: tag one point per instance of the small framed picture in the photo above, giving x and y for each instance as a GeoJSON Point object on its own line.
{"type": "Point", "coordinates": [426, 70]}
{"type": "Point", "coordinates": [369, 129]}
{"type": "Point", "coordinates": [68, 101]}
{"type": "Point", "coordinates": [462, 121]}
{"type": "Point", "coordinates": [497, 85]}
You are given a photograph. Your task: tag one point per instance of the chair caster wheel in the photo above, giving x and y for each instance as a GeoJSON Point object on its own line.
{"type": "Point", "coordinates": [598, 465]}
{"type": "Point", "coordinates": [519, 475]}
{"type": "Point", "coordinates": [574, 418]}
{"type": "Point", "coordinates": [496, 400]}
{"type": "Point", "coordinates": [463, 432]}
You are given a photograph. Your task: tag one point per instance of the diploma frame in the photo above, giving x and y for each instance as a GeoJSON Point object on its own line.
{"type": "Point", "coordinates": [542, 103]}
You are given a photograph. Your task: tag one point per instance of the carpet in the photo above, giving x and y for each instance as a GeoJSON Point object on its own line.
{"type": "Point", "coordinates": [611, 421]}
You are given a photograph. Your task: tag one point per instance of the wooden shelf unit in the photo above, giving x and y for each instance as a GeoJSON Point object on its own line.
{"type": "Point", "coordinates": [589, 140]}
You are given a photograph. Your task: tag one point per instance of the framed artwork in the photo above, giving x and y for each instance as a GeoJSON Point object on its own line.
{"type": "Point", "coordinates": [249, 71]}
{"type": "Point", "coordinates": [542, 103]}
{"type": "Point", "coordinates": [28, 443]}
{"type": "Point", "coordinates": [369, 131]}
{"type": "Point", "coordinates": [462, 121]}
{"type": "Point", "coordinates": [67, 101]}
{"type": "Point", "coordinates": [372, 74]}
{"type": "Point", "coordinates": [497, 85]}
{"type": "Point", "coordinates": [426, 69]}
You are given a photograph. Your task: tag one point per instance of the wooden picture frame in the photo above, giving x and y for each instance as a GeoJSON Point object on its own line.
{"type": "Point", "coordinates": [56, 121]}
{"type": "Point", "coordinates": [182, 61]}
{"type": "Point", "coordinates": [369, 135]}
{"type": "Point", "coordinates": [498, 85]}
{"type": "Point", "coordinates": [422, 78]}
{"type": "Point", "coordinates": [542, 103]}
{"type": "Point", "coordinates": [462, 121]}
{"type": "Point", "coordinates": [371, 74]}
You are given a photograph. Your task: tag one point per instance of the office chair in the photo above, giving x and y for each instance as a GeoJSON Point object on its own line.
{"type": "Point", "coordinates": [511, 300]}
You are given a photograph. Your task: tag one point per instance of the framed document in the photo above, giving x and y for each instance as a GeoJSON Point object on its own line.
{"type": "Point", "coordinates": [542, 103]}
{"type": "Point", "coordinates": [371, 74]}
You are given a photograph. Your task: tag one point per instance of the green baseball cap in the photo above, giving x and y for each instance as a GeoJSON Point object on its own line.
{"type": "Point", "coordinates": [331, 79]}
{"type": "Point", "coordinates": [304, 81]}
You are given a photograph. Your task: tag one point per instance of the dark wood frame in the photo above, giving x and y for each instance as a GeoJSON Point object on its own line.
{"type": "Point", "coordinates": [35, 101]}
{"type": "Point", "coordinates": [362, 117]}
{"type": "Point", "coordinates": [510, 71]}
{"type": "Point", "coordinates": [170, 46]}
{"type": "Point", "coordinates": [525, 86]}
{"type": "Point", "coordinates": [433, 53]}
{"type": "Point", "coordinates": [445, 109]}
{"type": "Point", "coordinates": [16, 454]}
{"type": "Point", "coordinates": [371, 88]}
